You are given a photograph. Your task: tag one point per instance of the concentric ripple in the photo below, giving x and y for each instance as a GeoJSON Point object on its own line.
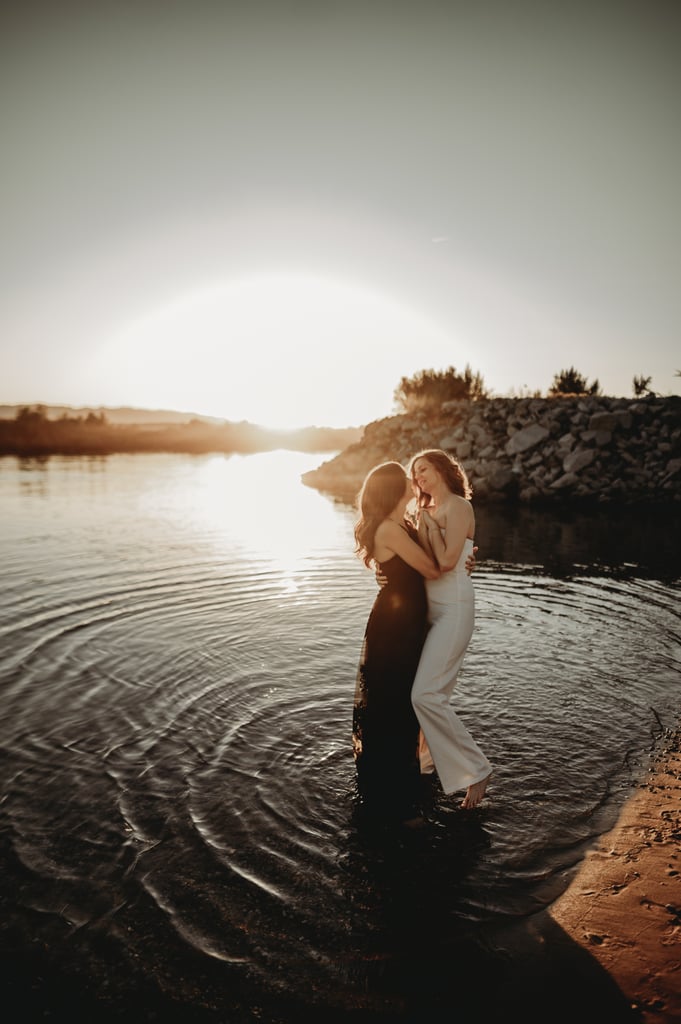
{"type": "Point", "coordinates": [177, 683]}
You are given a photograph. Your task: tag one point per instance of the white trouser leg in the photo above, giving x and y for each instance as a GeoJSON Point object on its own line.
{"type": "Point", "coordinates": [458, 759]}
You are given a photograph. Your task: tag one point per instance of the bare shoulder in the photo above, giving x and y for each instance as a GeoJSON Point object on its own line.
{"type": "Point", "coordinates": [458, 506]}
{"type": "Point", "coordinates": [461, 510]}
{"type": "Point", "coordinates": [387, 530]}
{"type": "Point", "coordinates": [391, 539]}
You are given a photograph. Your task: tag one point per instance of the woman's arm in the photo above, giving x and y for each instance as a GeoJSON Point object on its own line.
{"type": "Point", "coordinates": [471, 562]}
{"type": "Point", "coordinates": [459, 522]}
{"type": "Point", "coordinates": [424, 539]}
{"type": "Point", "coordinates": [394, 538]}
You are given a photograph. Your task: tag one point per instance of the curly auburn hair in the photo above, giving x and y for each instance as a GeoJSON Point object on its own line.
{"type": "Point", "coordinates": [449, 468]}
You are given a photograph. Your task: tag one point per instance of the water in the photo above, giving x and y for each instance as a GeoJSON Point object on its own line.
{"type": "Point", "coordinates": [178, 645]}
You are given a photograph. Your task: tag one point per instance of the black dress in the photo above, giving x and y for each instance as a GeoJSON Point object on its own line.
{"type": "Point", "coordinates": [385, 727]}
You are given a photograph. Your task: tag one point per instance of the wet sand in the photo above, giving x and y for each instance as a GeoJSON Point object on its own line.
{"type": "Point", "coordinates": [609, 949]}
{"type": "Point", "coordinates": [624, 906]}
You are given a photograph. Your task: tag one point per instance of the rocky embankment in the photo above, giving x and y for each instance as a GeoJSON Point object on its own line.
{"type": "Point", "coordinates": [532, 450]}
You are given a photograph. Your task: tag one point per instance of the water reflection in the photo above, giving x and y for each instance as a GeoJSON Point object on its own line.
{"type": "Point", "coordinates": [561, 542]}
{"type": "Point", "coordinates": [180, 637]}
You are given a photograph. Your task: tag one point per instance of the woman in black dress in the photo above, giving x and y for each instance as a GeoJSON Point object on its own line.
{"type": "Point", "coordinates": [385, 727]}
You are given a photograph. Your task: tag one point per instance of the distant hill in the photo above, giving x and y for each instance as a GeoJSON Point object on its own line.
{"type": "Point", "coordinates": [59, 429]}
{"type": "Point", "coordinates": [119, 414]}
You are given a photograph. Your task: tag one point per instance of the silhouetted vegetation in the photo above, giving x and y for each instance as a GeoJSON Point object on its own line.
{"type": "Point", "coordinates": [32, 432]}
{"type": "Point", "coordinates": [430, 387]}
{"type": "Point", "coordinates": [641, 387]}
{"type": "Point", "coordinates": [571, 382]}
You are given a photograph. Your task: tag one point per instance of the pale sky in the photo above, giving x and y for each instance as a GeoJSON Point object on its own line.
{"type": "Point", "coordinates": [275, 210]}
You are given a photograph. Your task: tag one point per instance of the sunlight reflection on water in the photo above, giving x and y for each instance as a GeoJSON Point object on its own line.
{"type": "Point", "coordinates": [252, 502]}
{"type": "Point", "coordinates": [179, 640]}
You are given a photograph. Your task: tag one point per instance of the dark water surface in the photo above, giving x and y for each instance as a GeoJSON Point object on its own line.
{"type": "Point", "coordinates": [178, 645]}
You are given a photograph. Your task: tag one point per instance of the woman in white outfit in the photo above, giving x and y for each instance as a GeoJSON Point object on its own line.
{"type": "Point", "coordinates": [446, 530]}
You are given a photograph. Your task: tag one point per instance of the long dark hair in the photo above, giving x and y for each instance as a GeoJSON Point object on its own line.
{"type": "Point", "coordinates": [451, 470]}
{"type": "Point", "coordinates": [382, 489]}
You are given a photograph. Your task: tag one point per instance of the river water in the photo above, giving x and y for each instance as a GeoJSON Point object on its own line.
{"type": "Point", "coordinates": [178, 645]}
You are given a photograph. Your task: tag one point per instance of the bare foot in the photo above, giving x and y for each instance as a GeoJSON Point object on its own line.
{"type": "Point", "coordinates": [475, 793]}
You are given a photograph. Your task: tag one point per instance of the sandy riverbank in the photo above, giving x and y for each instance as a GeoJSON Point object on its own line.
{"type": "Point", "coordinates": [609, 949]}
{"type": "Point", "coordinates": [624, 906]}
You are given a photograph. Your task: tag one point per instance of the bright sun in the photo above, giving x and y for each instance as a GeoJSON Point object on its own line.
{"type": "Point", "coordinates": [282, 350]}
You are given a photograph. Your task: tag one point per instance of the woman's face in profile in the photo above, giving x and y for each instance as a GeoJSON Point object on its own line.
{"type": "Point", "coordinates": [425, 475]}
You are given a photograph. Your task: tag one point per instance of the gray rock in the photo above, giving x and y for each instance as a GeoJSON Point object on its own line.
{"type": "Point", "coordinates": [599, 437]}
{"type": "Point", "coordinates": [528, 437]}
{"type": "Point", "coordinates": [503, 480]}
{"type": "Point", "coordinates": [602, 421]}
{"type": "Point", "coordinates": [565, 481]}
{"type": "Point", "coordinates": [578, 459]}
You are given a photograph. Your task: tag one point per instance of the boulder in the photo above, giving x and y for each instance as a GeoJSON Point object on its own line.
{"type": "Point", "coordinates": [526, 438]}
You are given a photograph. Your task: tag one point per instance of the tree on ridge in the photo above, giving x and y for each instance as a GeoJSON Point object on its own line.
{"type": "Point", "coordinates": [433, 387]}
{"type": "Point", "coordinates": [572, 382]}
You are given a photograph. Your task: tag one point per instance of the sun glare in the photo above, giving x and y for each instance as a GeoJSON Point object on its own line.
{"type": "Point", "coordinates": [227, 500]}
{"type": "Point", "coordinates": [281, 350]}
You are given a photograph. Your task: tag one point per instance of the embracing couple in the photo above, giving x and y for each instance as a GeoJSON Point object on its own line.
{"type": "Point", "coordinates": [416, 637]}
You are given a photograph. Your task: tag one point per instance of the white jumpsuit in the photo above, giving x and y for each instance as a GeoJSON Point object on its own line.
{"type": "Point", "coordinates": [458, 759]}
